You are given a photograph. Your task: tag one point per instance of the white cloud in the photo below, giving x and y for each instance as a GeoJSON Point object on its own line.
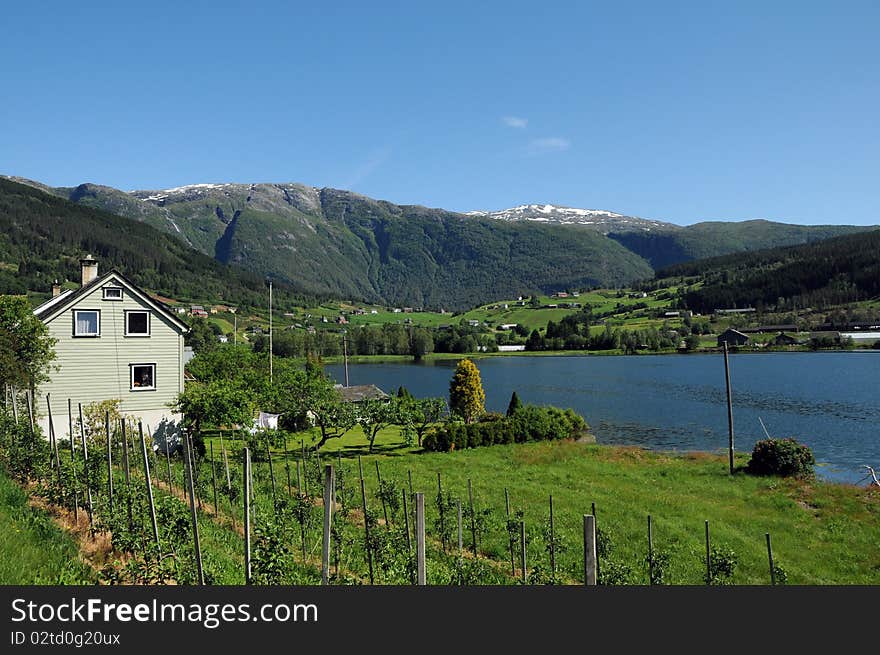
{"type": "Point", "coordinates": [515, 122]}
{"type": "Point", "coordinates": [548, 144]}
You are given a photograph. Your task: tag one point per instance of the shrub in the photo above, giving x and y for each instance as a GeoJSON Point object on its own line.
{"type": "Point", "coordinates": [785, 457]}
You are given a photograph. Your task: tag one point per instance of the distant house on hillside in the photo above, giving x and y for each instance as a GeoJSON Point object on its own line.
{"type": "Point", "coordinates": [744, 310]}
{"type": "Point", "coordinates": [113, 342]}
{"type": "Point", "coordinates": [732, 338]}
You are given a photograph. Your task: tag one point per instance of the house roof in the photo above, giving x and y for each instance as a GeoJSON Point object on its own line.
{"type": "Point", "coordinates": [732, 331]}
{"type": "Point", "coordinates": [54, 306]}
{"type": "Point", "coordinates": [361, 392]}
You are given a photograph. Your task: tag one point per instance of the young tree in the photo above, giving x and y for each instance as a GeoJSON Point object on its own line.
{"type": "Point", "coordinates": [25, 344]}
{"type": "Point", "coordinates": [325, 408]}
{"type": "Point", "coordinates": [374, 414]}
{"type": "Point", "coordinates": [466, 396]}
{"type": "Point", "coordinates": [420, 343]}
{"type": "Point", "coordinates": [515, 404]}
{"type": "Point", "coordinates": [218, 402]}
{"type": "Point", "coordinates": [420, 414]}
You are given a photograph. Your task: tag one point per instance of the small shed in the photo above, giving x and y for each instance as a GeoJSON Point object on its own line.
{"type": "Point", "coordinates": [783, 339]}
{"type": "Point", "coordinates": [361, 392]}
{"type": "Point", "coordinates": [732, 338]}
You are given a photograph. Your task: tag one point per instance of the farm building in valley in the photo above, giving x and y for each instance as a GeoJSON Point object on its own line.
{"type": "Point", "coordinates": [113, 342]}
{"type": "Point", "coordinates": [732, 338]}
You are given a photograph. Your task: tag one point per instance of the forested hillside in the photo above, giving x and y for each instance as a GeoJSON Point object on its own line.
{"type": "Point", "coordinates": [838, 270]}
{"type": "Point", "coordinates": [42, 238]}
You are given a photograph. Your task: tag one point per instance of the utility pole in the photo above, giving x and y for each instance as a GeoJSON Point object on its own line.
{"type": "Point", "coordinates": [345, 355]}
{"type": "Point", "coordinates": [270, 330]}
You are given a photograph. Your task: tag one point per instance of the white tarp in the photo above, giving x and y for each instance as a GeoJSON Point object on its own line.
{"type": "Point", "coordinates": [265, 421]}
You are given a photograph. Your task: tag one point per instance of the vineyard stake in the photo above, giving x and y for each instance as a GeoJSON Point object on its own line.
{"type": "Point", "coordinates": [53, 442]}
{"type": "Point", "coordinates": [366, 520]}
{"type": "Point", "coordinates": [650, 552]}
{"type": "Point", "coordinates": [329, 488]}
{"type": "Point", "coordinates": [381, 496]}
{"type": "Point", "coordinates": [187, 447]}
{"type": "Point", "coordinates": [272, 474]}
{"type": "Point", "coordinates": [509, 534]}
{"type": "Point", "coordinates": [228, 481]}
{"type": "Point", "coordinates": [194, 469]}
{"type": "Point", "coordinates": [168, 462]}
{"type": "Point", "coordinates": [708, 558]}
{"type": "Point", "coordinates": [30, 404]}
{"type": "Point", "coordinates": [460, 545]}
{"type": "Point", "coordinates": [598, 564]}
{"type": "Point", "coordinates": [246, 474]}
{"type": "Point", "coordinates": [420, 539]}
{"type": "Point", "coordinates": [109, 460]}
{"type": "Point", "coordinates": [125, 463]}
{"type": "Point", "coordinates": [522, 548]}
{"type": "Point", "coordinates": [406, 522]}
{"type": "Point", "coordinates": [552, 543]}
{"type": "Point", "coordinates": [590, 559]}
{"type": "Point", "coordinates": [214, 481]}
{"type": "Point", "coordinates": [770, 557]}
{"type": "Point", "coordinates": [473, 518]}
{"type": "Point", "coordinates": [729, 407]}
{"type": "Point", "coordinates": [287, 467]}
{"type": "Point", "coordinates": [15, 404]}
{"type": "Point", "coordinates": [149, 488]}
{"type": "Point", "coordinates": [440, 507]}
{"type": "Point", "coordinates": [73, 462]}
{"type": "Point", "coordinates": [86, 476]}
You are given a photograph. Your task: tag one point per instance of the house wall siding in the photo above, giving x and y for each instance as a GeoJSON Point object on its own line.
{"type": "Point", "coordinates": [92, 369]}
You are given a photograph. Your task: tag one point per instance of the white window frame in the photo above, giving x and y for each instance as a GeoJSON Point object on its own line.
{"type": "Point", "coordinates": [149, 323]}
{"type": "Point", "coordinates": [131, 368]}
{"type": "Point", "coordinates": [97, 313]}
{"type": "Point", "coordinates": [106, 289]}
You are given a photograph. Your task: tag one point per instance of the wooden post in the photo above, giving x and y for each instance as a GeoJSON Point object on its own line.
{"type": "Point", "coordinates": [214, 481]}
{"type": "Point", "coordinates": [650, 552]}
{"type": "Point", "coordinates": [770, 557]}
{"type": "Point", "coordinates": [228, 480]}
{"type": "Point", "coordinates": [509, 533]}
{"type": "Point", "coordinates": [86, 477]}
{"type": "Point", "coordinates": [287, 467]}
{"type": "Point", "coordinates": [53, 442]}
{"type": "Point", "coordinates": [420, 539]}
{"type": "Point", "coordinates": [381, 497]}
{"type": "Point", "coordinates": [246, 497]}
{"type": "Point", "coordinates": [329, 486]}
{"type": "Point", "coordinates": [522, 549]}
{"type": "Point", "coordinates": [187, 446]}
{"type": "Point", "coordinates": [272, 475]}
{"type": "Point", "coordinates": [30, 408]}
{"type": "Point", "coordinates": [440, 507]}
{"type": "Point", "coordinates": [406, 522]}
{"type": "Point", "coordinates": [590, 569]}
{"type": "Point", "coordinates": [366, 522]}
{"type": "Point", "coordinates": [708, 557]}
{"type": "Point", "coordinates": [598, 563]}
{"type": "Point", "coordinates": [729, 407]}
{"type": "Point", "coordinates": [460, 546]}
{"type": "Point", "coordinates": [109, 460]}
{"type": "Point", "coordinates": [168, 463]}
{"type": "Point", "coordinates": [125, 463]}
{"type": "Point", "coordinates": [552, 543]}
{"type": "Point", "coordinates": [149, 488]}
{"type": "Point", "coordinates": [73, 462]}
{"type": "Point", "coordinates": [473, 518]}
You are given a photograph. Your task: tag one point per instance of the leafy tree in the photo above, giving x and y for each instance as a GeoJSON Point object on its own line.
{"type": "Point", "coordinates": [514, 405]}
{"type": "Point", "coordinates": [373, 415]}
{"type": "Point", "coordinates": [420, 343]}
{"type": "Point", "coordinates": [325, 408]}
{"type": "Point", "coordinates": [26, 347]}
{"type": "Point", "coordinates": [466, 396]}
{"type": "Point", "coordinates": [218, 402]}
{"type": "Point", "coordinates": [403, 392]}
{"type": "Point", "coordinates": [420, 414]}
{"type": "Point", "coordinates": [201, 335]}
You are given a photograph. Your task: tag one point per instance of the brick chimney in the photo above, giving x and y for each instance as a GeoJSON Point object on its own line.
{"type": "Point", "coordinates": [56, 289]}
{"type": "Point", "coordinates": [89, 269]}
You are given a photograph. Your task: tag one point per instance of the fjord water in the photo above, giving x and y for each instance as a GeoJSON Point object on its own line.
{"type": "Point", "coordinates": [828, 401]}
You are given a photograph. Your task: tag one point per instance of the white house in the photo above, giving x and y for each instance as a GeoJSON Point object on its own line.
{"type": "Point", "coordinates": [113, 341]}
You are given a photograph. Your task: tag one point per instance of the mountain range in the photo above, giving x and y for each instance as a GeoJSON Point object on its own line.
{"type": "Point", "coordinates": [330, 242]}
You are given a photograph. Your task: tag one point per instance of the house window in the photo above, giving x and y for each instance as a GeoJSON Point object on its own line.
{"type": "Point", "coordinates": [143, 377]}
{"type": "Point", "coordinates": [137, 324]}
{"type": "Point", "coordinates": [86, 323]}
{"type": "Point", "coordinates": [112, 293]}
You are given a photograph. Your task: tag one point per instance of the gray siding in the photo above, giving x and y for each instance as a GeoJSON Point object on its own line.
{"type": "Point", "coordinates": [92, 369]}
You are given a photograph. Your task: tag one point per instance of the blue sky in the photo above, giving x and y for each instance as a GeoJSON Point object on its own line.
{"type": "Point", "coordinates": [679, 111]}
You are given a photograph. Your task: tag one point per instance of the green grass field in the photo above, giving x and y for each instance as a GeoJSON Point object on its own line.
{"type": "Point", "coordinates": [35, 550]}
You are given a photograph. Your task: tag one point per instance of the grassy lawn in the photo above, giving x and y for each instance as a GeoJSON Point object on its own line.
{"type": "Point", "coordinates": [822, 533]}
{"type": "Point", "coordinates": [43, 553]}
